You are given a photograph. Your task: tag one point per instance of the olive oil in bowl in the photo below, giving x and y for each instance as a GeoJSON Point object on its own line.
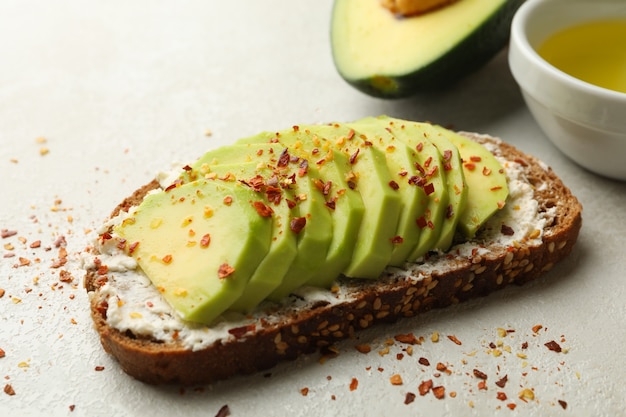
{"type": "Point", "coordinates": [594, 52]}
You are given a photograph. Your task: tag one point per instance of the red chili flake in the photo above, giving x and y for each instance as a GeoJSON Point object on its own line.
{"type": "Point", "coordinates": [419, 147]}
{"type": "Point", "coordinates": [502, 381]}
{"type": "Point", "coordinates": [60, 242]}
{"type": "Point", "coordinates": [304, 168]}
{"type": "Point", "coordinates": [470, 166]}
{"type": "Point", "coordinates": [482, 385]}
{"type": "Point", "coordinates": [354, 156]}
{"type": "Point", "coordinates": [428, 162]}
{"type": "Point", "coordinates": [72, 407]}
{"type": "Point", "coordinates": [290, 203]}
{"type": "Point", "coordinates": [132, 247]}
{"type": "Point", "coordinates": [238, 332]}
{"type": "Point", "coordinates": [351, 134]}
{"type": "Point", "coordinates": [263, 209]}
{"type": "Point", "coordinates": [423, 361]}
{"type": "Point", "coordinates": [367, 143]}
{"type": "Point", "coordinates": [99, 368]}
{"type": "Point", "coordinates": [563, 404]}
{"type": "Point", "coordinates": [394, 185]}
{"type": "Point", "coordinates": [35, 244]}
{"type": "Point", "coordinates": [507, 230]}
{"type": "Point", "coordinates": [486, 171]}
{"type": "Point", "coordinates": [331, 204]}
{"type": "Point", "coordinates": [447, 155]}
{"type": "Point", "coordinates": [475, 158]}
{"type": "Point", "coordinates": [8, 389]}
{"type": "Point", "coordinates": [421, 222]}
{"type": "Point", "coordinates": [449, 211]}
{"type": "Point", "coordinates": [315, 151]}
{"type": "Point", "coordinates": [479, 374]}
{"type": "Point", "coordinates": [296, 128]}
{"type": "Point", "coordinates": [553, 346]}
{"type": "Point", "coordinates": [363, 348]}
{"type": "Point", "coordinates": [351, 184]}
{"type": "Point", "coordinates": [2, 353]}
{"type": "Point", "coordinates": [454, 339]}
{"type": "Point", "coordinates": [121, 244]}
{"type": "Point", "coordinates": [408, 338]}
{"type": "Point", "coordinates": [447, 166]}
{"type": "Point", "coordinates": [297, 224]}
{"type": "Point", "coordinates": [403, 173]}
{"type": "Point", "coordinates": [431, 172]}
{"type": "Point", "coordinates": [417, 180]}
{"type": "Point", "coordinates": [225, 271]}
{"type": "Point", "coordinates": [439, 392]}
{"type": "Point", "coordinates": [354, 384]}
{"type": "Point", "coordinates": [409, 398]}
{"type": "Point", "coordinates": [106, 236]}
{"type": "Point", "coordinates": [525, 345]}
{"type": "Point", "coordinates": [259, 152]}
{"type": "Point", "coordinates": [396, 240]}
{"type": "Point", "coordinates": [167, 259]}
{"type": "Point", "coordinates": [228, 200]}
{"type": "Point", "coordinates": [304, 391]}
{"type": "Point", "coordinates": [223, 412]}
{"type": "Point", "coordinates": [501, 396]}
{"type": "Point", "coordinates": [186, 168]}
{"type": "Point", "coordinates": [5, 233]}
{"type": "Point", "coordinates": [511, 406]}
{"type": "Point", "coordinates": [496, 188]}
{"type": "Point", "coordinates": [205, 241]}
{"type": "Point", "coordinates": [425, 387]}
{"type": "Point", "coordinates": [429, 188]}
{"type": "Point", "coordinates": [102, 270]}
{"type": "Point", "coordinates": [283, 160]}
{"type": "Point", "coordinates": [174, 185]}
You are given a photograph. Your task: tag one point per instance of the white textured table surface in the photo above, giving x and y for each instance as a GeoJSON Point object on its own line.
{"type": "Point", "coordinates": [96, 97]}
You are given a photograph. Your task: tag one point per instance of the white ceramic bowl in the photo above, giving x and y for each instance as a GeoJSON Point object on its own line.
{"type": "Point", "coordinates": [587, 123]}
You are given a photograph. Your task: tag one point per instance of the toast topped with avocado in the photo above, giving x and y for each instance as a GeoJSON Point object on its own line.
{"type": "Point", "coordinates": [285, 242]}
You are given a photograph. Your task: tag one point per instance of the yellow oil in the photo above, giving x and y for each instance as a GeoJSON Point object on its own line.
{"type": "Point", "coordinates": [593, 52]}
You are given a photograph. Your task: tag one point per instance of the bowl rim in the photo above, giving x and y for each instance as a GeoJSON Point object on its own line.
{"type": "Point", "coordinates": [600, 107]}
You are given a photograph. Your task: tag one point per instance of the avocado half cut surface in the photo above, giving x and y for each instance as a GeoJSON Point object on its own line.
{"type": "Point", "coordinates": [388, 56]}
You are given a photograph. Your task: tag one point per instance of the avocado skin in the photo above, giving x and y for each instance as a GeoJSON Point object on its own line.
{"type": "Point", "coordinates": [465, 58]}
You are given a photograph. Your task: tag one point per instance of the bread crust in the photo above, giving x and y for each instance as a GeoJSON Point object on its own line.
{"type": "Point", "coordinates": [307, 330]}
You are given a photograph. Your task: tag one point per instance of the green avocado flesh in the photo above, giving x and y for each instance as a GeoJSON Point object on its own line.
{"type": "Point", "coordinates": [390, 56]}
{"type": "Point", "coordinates": [277, 211]}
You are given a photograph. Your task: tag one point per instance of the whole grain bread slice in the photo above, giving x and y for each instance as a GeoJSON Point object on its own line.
{"type": "Point", "coordinates": [284, 332]}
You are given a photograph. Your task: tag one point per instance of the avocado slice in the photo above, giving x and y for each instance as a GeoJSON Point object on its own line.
{"type": "Point", "coordinates": [283, 245]}
{"type": "Point", "coordinates": [345, 204]}
{"type": "Point", "coordinates": [455, 182]}
{"type": "Point", "coordinates": [486, 181]}
{"type": "Point", "coordinates": [384, 55]}
{"type": "Point", "coordinates": [401, 164]}
{"type": "Point", "coordinates": [182, 238]}
{"type": "Point", "coordinates": [431, 178]}
{"type": "Point", "coordinates": [310, 219]}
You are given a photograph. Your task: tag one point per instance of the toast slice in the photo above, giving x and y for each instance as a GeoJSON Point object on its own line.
{"type": "Point", "coordinates": [537, 228]}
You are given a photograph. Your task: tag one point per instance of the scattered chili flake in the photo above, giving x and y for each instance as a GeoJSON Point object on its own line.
{"type": "Point", "coordinates": [429, 188]}
{"type": "Point", "coordinates": [501, 396]}
{"type": "Point", "coordinates": [475, 158]}
{"type": "Point", "coordinates": [423, 361]}
{"type": "Point", "coordinates": [482, 385]}
{"type": "Point", "coordinates": [409, 398]}
{"type": "Point", "coordinates": [553, 346]}
{"type": "Point", "coordinates": [228, 200]}
{"type": "Point", "coordinates": [394, 185]}
{"type": "Point", "coordinates": [439, 392]}
{"type": "Point", "coordinates": [8, 389]}
{"type": "Point", "coordinates": [304, 168]}
{"type": "Point", "coordinates": [225, 270]}
{"type": "Point", "coordinates": [502, 381]}
{"type": "Point", "coordinates": [132, 247]}
{"type": "Point", "coordinates": [263, 209]}
{"type": "Point", "coordinates": [563, 404]}
{"type": "Point", "coordinates": [304, 391]}
{"type": "Point", "coordinates": [284, 158]}
{"type": "Point", "coordinates": [223, 412]}
{"type": "Point", "coordinates": [425, 386]}
{"type": "Point", "coordinates": [2, 353]}
{"type": "Point", "coordinates": [507, 230]}
{"type": "Point", "coordinates": [449, 211]}
{"type": "Point", "coordinates": [454, 339]}
{"type": "Point", "coordinates": [354, 384]}
{"type": "Point", "coordinates": [167, 259]}
{"type": "Point", "coordinates": [408, 338]}
{"type": "Point", "coordinates": [354, 156]}
{"type": "Point", "coordinates": [35, 244]}
{"type": "Point", "coordinates": [72, 407]}
{"type": "Point", "coordinates": [511, 406]}
{"type": "Point", "coordinates": [525, 345]}
{"type": "Point", "coordinates": [421, 222]}
{"type": "Point", "coordinates": [242, 330]}
{"type": "Point", "coordinates": [396, 379]}
{"type": "Point", "coordinates": [486, 171]}
{"type": "Point", "coordinates": [297, 224]}
{"type": "Point", "coordinates": [5, 233]}
{"type": "Point", "coordinates": [99, 368]}
{"type": "Point", "coordinates": [396, 240]}
{"type": "Point", "coordinates": [363, 348]}
{"type": "Point", "coordinates": [537, 327]}
{"type": "Point", "coordinates": [479, 374]}
{"type": "Point", "coordinates": [205, 241]}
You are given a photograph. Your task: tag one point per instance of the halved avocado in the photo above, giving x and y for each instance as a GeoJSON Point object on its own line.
{"type": "Point", "coordinates": [387, 56]}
